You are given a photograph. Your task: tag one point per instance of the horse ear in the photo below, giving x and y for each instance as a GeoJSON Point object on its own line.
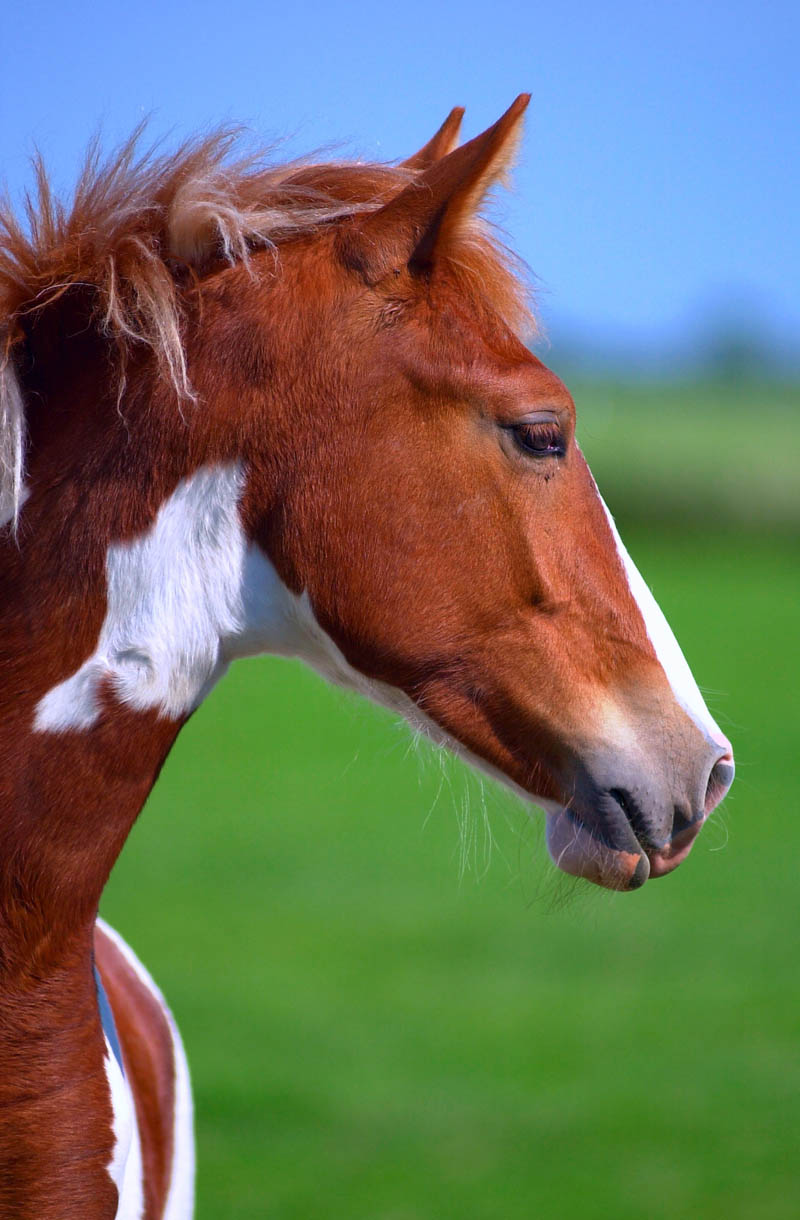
{"type": "Point", "coordinates": [439, 145]}
{"type": "Point", "coordinates": [416, 226]}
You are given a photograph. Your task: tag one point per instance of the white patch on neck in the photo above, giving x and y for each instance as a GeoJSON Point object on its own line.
{"type": "Point", "coordinates": [172, 595]}
{"type": "Point", "coordinates": [665, 646]}
{"type": "Point", "coordinates": [125, 1169]}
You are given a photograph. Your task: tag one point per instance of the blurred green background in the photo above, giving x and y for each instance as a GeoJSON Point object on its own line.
{"type": "Point", "coordinates": [387, 1020]}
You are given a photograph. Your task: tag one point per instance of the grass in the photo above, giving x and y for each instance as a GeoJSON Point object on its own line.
{"type": "Point", "coordinates": [372, 1038]}
{"type": "Point", "coordinates": [718, 454]}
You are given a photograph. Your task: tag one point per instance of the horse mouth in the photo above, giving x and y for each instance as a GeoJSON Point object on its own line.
{"type": "Point", "coordinates": [582, 851]}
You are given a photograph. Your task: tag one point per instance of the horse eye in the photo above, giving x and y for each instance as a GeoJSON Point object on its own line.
{"type": "Point", "coordinates": [543, 439]}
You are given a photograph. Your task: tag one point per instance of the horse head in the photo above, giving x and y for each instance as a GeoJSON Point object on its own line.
{"type": "Point", "coordinates": [417, 490]}
{"type": "Point", "coordinates": [370, 470]}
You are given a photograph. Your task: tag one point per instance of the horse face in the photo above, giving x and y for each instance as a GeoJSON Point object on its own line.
{"type": "Point", "coordinates": [452, 543]}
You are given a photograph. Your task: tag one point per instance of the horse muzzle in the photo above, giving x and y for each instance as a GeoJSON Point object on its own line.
{"type": "Point", "coordinates": [619, 834]}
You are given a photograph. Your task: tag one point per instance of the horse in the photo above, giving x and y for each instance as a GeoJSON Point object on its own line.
{"type": "Point", "coordinates": [245, 408]}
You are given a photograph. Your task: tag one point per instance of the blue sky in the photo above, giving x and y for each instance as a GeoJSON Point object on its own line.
{"type": "Point", "coordinates": [659, 180]}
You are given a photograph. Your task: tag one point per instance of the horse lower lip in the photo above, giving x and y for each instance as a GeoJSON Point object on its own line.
{"type": "Point", "coordinates": [575, 850]}
{"type": "Point", "coordinates": [663, 862]}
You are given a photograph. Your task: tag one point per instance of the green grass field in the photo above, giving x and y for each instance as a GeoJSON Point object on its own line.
{"type": "Point", "coordinates": [695, 454]}
{"type": "Point", "coordinates": [374, 1037]}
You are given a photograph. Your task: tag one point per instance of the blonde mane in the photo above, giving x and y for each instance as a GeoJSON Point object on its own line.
{"type": "Point", "coordinates": [142, 225]}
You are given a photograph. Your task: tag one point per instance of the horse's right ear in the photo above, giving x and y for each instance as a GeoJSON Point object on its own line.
{"type": "Point", "coordinates": [440, 144]}
{"type": "Point", "coordinates": [420, 224]}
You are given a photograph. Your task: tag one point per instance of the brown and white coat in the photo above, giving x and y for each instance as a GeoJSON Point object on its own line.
{"type": "Point", "coordinates": [251, 409]}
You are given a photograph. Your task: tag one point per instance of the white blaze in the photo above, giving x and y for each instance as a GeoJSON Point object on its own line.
{"type": "Point", "coordinates": [665, 645]}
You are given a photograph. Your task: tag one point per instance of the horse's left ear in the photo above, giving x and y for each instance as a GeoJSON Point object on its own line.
{"type": "Point", "coordinates": [417, 226]}
{"type": "Point", "coordinates": [439, 145]}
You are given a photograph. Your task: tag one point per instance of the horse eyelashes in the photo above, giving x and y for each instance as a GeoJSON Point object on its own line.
{"type": "Point", "coordinates": [540, 440]}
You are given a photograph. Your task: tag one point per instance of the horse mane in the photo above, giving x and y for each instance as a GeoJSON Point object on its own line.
{"type": "Point", "coordinates": [142, 227]}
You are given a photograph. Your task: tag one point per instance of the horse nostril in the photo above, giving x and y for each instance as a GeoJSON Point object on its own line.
{"type": "Point", "coordinates": [681, 821]}
{"type": "Point", "coordinates": [719, 781]}
{"type": "Point", "coordinates": [634, 815]}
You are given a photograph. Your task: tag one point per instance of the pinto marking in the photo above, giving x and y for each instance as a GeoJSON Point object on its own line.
{"type": "Point", "coordinates": [127, 1167]}
{"type": "Point", "coordinates": [172, 594]}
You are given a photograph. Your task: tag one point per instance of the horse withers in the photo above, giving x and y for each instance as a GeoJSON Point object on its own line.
{"type": "Point", "coordinates": [288, 410]}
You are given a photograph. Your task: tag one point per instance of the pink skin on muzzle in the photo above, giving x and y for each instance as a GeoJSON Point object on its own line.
{"type": "Point", "coordinates": [719, 783]}
{"type": "Point", "coordinates": [575, 850]}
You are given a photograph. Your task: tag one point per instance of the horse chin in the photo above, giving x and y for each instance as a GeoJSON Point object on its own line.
{"type": "Point", "coordinates": [575, 850]}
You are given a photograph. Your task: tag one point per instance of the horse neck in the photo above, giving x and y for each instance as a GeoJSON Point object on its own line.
{"type": "Point", "coordinates": [70, 788]}
{"type": "Point", "coordinates": [69, 791]}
